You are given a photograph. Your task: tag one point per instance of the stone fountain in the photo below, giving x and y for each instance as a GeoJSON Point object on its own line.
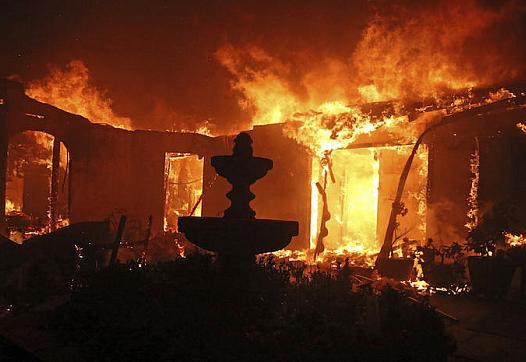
{"type": "Point", "coordinates": [238, 236]}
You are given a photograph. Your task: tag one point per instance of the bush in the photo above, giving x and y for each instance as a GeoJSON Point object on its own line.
{"type": "Point", "coordinates": [192, 309]}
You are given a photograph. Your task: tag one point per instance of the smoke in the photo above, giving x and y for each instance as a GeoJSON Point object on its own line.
{"type": "Point", "coordinates": [405, 51]}
{"type": "Point", "coordinates": [177, 65]}
{"type": "Point", "coordinates": [439, 226]}
{"type": "Point", "coordinates": [410, 51]}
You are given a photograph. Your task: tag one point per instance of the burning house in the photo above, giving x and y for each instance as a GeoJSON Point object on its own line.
{"type": "Point", "coordinates": [384, 142]}
{"type": "Point", "coordinates": [409, 129]}
{"type": "Point", "coordinates": [383, 174]}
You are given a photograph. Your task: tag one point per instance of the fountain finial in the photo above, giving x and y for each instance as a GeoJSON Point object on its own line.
{"type": "Point", "coordinates": [241, 170]}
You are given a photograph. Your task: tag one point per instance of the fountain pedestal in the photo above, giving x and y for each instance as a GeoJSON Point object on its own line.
{"type": "Point", "coordinates": [238, 236]}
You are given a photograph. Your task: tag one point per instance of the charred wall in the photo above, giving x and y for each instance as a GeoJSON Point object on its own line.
{"type": "Point", "coordinates": [122, 172]}
{"type": "Point", "coordinates": [117, 172]}
{"type": "Point", "coordinates": [449, 182]}
{"type": "Point", "coordinates": [502, 170]}
{"type": "Point", "coordinates": [503, 173]}
{"type": "Point", "coordinates": [111, 171]}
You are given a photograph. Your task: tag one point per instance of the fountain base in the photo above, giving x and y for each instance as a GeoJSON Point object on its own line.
{"type": "Point", "coordinates": [238, 237]}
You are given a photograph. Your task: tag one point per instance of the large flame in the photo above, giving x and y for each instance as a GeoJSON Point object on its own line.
{"type": "Point", "coordinates": [416, 54]}
{"type": "Point", "coordinates": [70, 90]}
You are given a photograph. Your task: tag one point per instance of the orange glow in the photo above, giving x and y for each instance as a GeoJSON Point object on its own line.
{"type": "Point", "coordinates": [357, 226]}
{"type": "Point", "coordinates": [420, 56]}
{"type": "Point", "coordinates": [521, 126]}
{"type": "Point", "coordinates": [514, 240]}
{"type": "Point", "coordinates": [473, 207]}
{"type": "Point", "coordinates": [10, 206]}
{"type": "Point", "coordinates": [353, 202]}
{"type": "Point", "coordinates": [70, 90]}
{"type": "Point", "coordinates": [183, 187]}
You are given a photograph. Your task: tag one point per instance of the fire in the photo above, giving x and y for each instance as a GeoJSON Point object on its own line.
{"type": "Point", "coordinates": [183, 187]}
{"type": "Point", "coordinates": [514, 240]}
{"type": "Point", "coordinates": [335, 126]}
{"type": "Point", "coordinates": [411, 52]}
{"type": "Point", "coordinates": [70, 90]}
{"type": "Point", "coordinates": [521, 126]}
{"type": "Point", "coordinates": [327, 120]}
{"type": "Point", "coordinates": [10, 206]}
{"type": "Point", "coordinates": [421, 194]}
{"type": "Point", "coordinates": [473, 209]}
{"type": "Point", "coordinates": [203, 129]}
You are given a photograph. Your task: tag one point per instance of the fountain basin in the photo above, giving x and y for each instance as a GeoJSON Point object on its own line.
{"type": "Point", "coordinates": [239, 236]}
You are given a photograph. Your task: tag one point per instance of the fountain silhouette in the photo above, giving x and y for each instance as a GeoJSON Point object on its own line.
{"type": "Point", "coordinates": [238, 236]}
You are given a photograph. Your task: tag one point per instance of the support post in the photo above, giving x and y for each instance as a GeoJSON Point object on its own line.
{"type": "Point", "coordinates": [55, 177]}
{"type": "Point", "coordinates": [118, 237]}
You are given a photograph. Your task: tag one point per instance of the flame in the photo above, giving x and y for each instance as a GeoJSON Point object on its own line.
{"type": "Point", "coordinates": [70, 90]}
{"type": "Point", "coordinates": [203, 129]}
{"type": "Point", "coordinates": [353, 204]}
{"type": "Point", "coordinates": [514, 240]}
{"type": "Point", "coordinates": [473, 208]}
{"type": "Point", "coordinates": [413, 53]}
{"type": "Point", "coordinates": [10, 206]}
{"type": "Point", "coordinates": [335, 126]}
{"type": "Point", "coordinates": [183, 187]}
{"type": "Point", "coordinates": [263, 89]}
{"type": "Point", "coordinates": [521, 126]}
{"type": "Point", "coordinates": [421, 195]}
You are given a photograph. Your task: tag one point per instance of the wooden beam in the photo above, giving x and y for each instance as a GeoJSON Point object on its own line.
{"type": "Point", "coordinates": [117, 241]}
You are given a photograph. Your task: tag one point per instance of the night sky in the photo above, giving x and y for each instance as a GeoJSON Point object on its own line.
{"type": "Point", "coordinates": [146, 53]}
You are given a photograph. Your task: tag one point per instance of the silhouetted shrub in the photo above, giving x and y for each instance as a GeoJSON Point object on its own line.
{"type": "Point", "coordinates": [193, 310]}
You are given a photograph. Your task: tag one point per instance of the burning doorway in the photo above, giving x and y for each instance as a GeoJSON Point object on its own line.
{"type": "Point", "coordinates": [183, 187]}
{"type": "Point", "coordinates": [37, 192]}
{"type": "Point", "coordinates": [352, 198]}
{"type": "Point", "coordinates": [360, 187]}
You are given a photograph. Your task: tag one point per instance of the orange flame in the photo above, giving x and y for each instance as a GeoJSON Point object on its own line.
{"type": "Point", "coordinates": [473, 206]}
{"type": "Point", "coordinates": [415, 54]}
{"type": "Point", "coordinates": [70, 90]}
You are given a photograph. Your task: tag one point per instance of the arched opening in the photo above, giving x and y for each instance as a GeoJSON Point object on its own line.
{"type": "Point", "coordinates": [37, 180]}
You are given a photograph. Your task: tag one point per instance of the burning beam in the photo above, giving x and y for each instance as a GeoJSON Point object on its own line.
{"type": "Point", "coordinates": [55, 175]}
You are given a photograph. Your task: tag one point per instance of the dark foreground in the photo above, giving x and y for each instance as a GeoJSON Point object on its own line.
{"type": "Point", "coordinates": [192, 310]}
